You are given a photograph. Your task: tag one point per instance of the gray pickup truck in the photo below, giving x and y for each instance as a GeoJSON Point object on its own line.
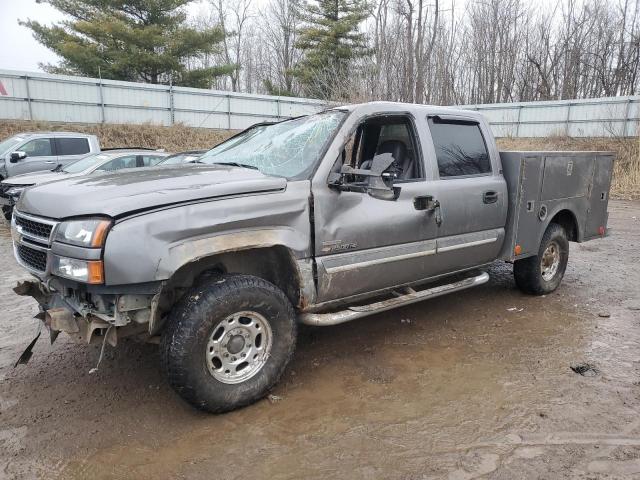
{"type": "Point", "coordinates": [320, 220]}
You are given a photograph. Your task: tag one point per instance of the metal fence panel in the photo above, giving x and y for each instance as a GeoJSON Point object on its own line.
{"type": "Point", "coordinates": [59, 98]}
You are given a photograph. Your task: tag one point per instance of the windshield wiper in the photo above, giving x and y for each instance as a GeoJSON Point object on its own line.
{"type": "Point", "coordinates": [236, 164]}
{"type": "Point", "coordinates": [58, 168]}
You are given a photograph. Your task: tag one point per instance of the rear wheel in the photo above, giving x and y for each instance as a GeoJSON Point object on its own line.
{"type": "Point", "coordinates": [543, 272]}
{"type": "Point", "coordinates": [228, 342]}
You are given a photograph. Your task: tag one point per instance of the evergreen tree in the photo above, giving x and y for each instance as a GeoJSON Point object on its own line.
{"type": "Point", "coordinates": [330, 41]}
{"type": "Point", "coordinates": [135, 40]}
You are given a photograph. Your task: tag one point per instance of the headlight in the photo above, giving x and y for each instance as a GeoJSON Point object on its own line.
{"type": "Point", "coordinates": [16, 191]}
{"type": "Point", "coordinates": [87, 271]}
{"type": "Point", "coordinates": [90, 232]}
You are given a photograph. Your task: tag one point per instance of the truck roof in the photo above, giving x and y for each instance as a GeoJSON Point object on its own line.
{"type": "Point", "coordinates": [374, 107]}
{"type": "Point", "coordinates": [51, 133]}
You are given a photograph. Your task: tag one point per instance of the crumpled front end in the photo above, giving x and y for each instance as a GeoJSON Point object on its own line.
{"type": "Point", "coordinates": [89, 317]}
{"type": "Point", "coordinates": [85, 311]}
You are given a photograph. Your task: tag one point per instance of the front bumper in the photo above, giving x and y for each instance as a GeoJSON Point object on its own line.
{"type": "Point", "coordinates": [88, 317]}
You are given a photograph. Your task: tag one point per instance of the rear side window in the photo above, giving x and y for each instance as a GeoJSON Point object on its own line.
{"type": "Point", "coordinates": [460, 148]}
{"type": "Point", "coordinates": [150, 160]}
{"type": "Point", "coordinates": [119, 163]}
{"type": "Point", "coordinates": [72, 146]}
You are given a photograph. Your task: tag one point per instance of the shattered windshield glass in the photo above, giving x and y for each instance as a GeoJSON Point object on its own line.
{"type": "Point", "coordinates": [285, 149]}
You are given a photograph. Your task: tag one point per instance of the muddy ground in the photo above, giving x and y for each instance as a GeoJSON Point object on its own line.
{"type": "Point", "coordinates": [475, 385]}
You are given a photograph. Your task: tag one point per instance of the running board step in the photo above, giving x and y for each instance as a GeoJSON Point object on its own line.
{"type": "Point", "coordinates": [359, 311]}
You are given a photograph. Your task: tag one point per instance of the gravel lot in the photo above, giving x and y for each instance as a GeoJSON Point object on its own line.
{"type": "Point", "coordinates": [475, 385]}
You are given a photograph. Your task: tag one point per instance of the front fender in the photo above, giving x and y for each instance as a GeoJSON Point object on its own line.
{"type": "Point", "coordinates": [180, 254]}
{"type": "Point", "coordinates": [153, 246]}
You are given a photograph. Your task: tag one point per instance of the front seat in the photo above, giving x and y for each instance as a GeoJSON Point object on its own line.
{"type": "Point", "coordinates": [402, 165]}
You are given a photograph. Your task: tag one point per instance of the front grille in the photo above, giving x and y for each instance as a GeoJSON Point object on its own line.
{"type": "Point", "coordinates": [42, 230]}
{"type": "Point", "coordinates": [32, 258]}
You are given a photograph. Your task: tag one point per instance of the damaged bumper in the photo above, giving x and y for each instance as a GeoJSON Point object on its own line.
{"type": "Point", "coordinates": [90, 317]}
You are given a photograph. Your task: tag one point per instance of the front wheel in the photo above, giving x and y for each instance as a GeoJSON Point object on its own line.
{"type": "Point", "coordinates": [542, 273]}
{"type": "Point", "coordinates": [228, 342]}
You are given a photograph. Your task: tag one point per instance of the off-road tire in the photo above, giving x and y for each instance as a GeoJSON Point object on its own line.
{"type": "Point", "coordinates": [191, 324]}
{"type": "Point", "coordinates": [528, 271]}
{"type": "Point", "coordinates": [6, 212]}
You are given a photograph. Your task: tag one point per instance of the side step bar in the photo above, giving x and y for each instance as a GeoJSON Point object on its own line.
{"type": "Point", "coordinates": [359, 311]}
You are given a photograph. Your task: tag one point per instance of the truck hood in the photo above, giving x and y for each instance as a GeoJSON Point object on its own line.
{"type": "Point", "coordinates": [27, 179]}
{"type": "Point", "coordinates": [116, 194]}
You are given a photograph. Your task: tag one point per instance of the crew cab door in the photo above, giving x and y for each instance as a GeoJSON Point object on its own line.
{"type": "Point", "coordinates": [471, 192]}
{"type": "Point", "coordinates": [40, 155]}
{"type": "Point", "coordinates": [364, 244]}
{"type": "Point", "coordinates": [71, 149]}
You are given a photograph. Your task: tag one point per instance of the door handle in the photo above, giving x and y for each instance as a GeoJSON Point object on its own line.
{"type": "Point", "coordinates": [425, 202]}
{"type": "Point", "coordinates": [50, 161]}
{"type": "Point", "coordinates": [490, 197]}
{"type": "Point", "coordinates": [428, 204]}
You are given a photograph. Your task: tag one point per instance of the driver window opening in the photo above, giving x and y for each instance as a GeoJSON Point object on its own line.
{"type": "Point", "coordinates": [376, 136]}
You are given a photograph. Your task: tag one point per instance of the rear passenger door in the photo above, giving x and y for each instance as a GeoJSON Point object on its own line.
{"type": "Point", "coordinates": [70, 149]}
{"type": "Point", "coordinates": [472, 193]}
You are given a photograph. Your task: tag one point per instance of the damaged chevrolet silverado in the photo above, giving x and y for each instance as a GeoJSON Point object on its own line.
{"type": "Point", "coordinates": [318, 220]}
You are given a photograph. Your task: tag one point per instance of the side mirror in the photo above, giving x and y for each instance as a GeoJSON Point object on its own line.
{"type": "Point", "coordinates": [15, 157]}
{"type": "Point", "coordinates": [375, 181]}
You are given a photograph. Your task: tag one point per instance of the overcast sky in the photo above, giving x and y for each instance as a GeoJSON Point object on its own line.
{"type": "Point", "coordinates": [18, 49]}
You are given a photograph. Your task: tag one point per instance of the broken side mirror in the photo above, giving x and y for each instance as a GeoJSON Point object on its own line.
{"type": "Point", "coordinates": [15, 157]}
{"type": "Point", "coordinates": [374, 181]}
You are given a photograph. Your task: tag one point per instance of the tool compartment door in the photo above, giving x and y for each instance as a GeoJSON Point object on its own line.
{"type": "Point", "coordinates": [596, 221]}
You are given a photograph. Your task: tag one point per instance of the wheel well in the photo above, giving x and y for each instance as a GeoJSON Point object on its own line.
{"type": "Point", "coordinates": [567, 220]}
{"type": "Point", "coordinates": [275, 264]}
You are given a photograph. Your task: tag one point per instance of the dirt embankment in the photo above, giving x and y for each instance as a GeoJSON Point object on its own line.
{"type": "Point", "coordinates": [626, 183]}
{"type": "Point", "coordinates": [173, 139]}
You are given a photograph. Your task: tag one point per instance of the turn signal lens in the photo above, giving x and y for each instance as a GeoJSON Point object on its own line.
{"type": "Point", "coordinates": [96, 272]}
{"type": "Point", "coordinates": [601, 231]}
{"type": "Point", "coordinates": [87, 271]}
{"type": "Point", "coordinates": [517, 250]}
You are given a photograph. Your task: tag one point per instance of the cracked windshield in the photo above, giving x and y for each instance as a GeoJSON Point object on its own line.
{"type": "Point", "coordinates": [285, 149]}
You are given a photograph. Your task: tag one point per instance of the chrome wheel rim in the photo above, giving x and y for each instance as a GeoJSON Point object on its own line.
{"type": "Point", "coordinates": [238, 347]}
{"type": "Point", "coordinates": [550, 262]}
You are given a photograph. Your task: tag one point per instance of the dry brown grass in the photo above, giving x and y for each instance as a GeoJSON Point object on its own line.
{"type": "Point", "coordinates": [172, 139]}
{"type": "Point", "coordinates": [626, 173]}
{"type": "Point", "coordinates": [626, 181]}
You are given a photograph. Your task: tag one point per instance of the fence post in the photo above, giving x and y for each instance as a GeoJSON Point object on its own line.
{"type": "Point", "coordinates": [26, 82]}
{"type": "Point", "coordinates": [278, 107]}
{"type": "Point", "coordinates": [101, 93]}
{"type": "Point", "coordinates": [172, 111]}
{"type": "Point", "coordinates": [228, 112]}
{"type": "Point", "coordinates": [518, 121]}
{"type": "Point", "coordinates": [627, 109]}
{"type": "Point", "coordinates": [568, 122]}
